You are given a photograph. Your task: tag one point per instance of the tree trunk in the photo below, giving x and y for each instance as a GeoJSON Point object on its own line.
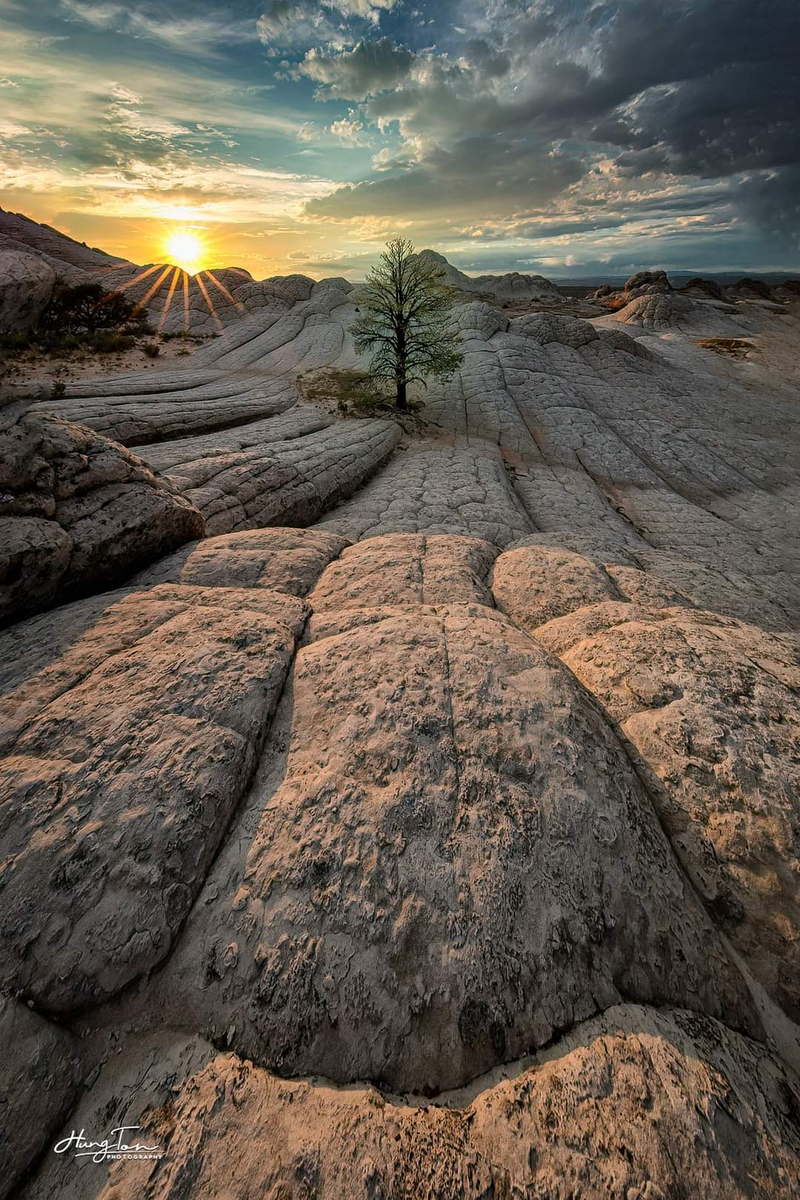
{"type": "Point", "coordinates": [400, 368]}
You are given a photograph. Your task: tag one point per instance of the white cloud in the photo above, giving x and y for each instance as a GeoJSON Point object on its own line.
{"type": "Point", "coordinates": [349, 131]}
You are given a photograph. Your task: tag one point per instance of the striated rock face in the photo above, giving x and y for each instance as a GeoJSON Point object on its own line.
{"type": "Point", "coordinates": [288, 480]}
{"type": "Point", "coordinates": [76, 511]}
{"type": "Point", "coordinates": [26, 285]}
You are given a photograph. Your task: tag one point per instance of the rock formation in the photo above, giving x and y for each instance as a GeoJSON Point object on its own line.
{"type": "Point", "coordinates": [26, 285]}
{"type": "Point", "coordinates": [417, 813]}
{"type": "Point", "coordinates": [76, 511]}
{"type": "Point", "coordinates": [511, 286]}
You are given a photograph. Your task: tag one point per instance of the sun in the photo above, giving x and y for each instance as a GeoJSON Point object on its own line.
{"type": "Point", "coordinates": [185, 250]}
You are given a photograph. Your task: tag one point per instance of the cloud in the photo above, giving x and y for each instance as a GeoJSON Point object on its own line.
{"type": "Point", "coordinates": [349, 131]}
{"type": "Point", "coordinates": [365, 70]}
{"type": "Point", "coordinates": [202, 32]}
{"type": "Point", "coordinates": [298, 24]}
{"type": "Point", "coordinates": [481, 172]}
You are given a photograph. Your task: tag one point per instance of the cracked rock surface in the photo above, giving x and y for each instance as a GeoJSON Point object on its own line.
{"type": "Point", "coordinates": [638, 1102]}
{"type": "Point", "coordinates": [429, 827]}
{"type": "Point", "coordinates": [76, 511]}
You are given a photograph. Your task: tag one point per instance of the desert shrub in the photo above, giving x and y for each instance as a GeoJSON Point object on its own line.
{"type": "Point", "coordinates": [151, 349]}
{"type": "Point", "coordinates": [58, 390]}
{"type": "Point", "coordinates": [85, 308]}
{"type": "Point", "coordinates": [15, 343]}
{"type": "Point", "coordinates": [354, 392]}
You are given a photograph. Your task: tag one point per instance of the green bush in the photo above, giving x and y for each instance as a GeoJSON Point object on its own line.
{"type": "Point", "coordinates": [353, 392]}
{"type": "Point", "coordinates": [85, 308]}
{"type": "Point", "coordinates": [151, 349]}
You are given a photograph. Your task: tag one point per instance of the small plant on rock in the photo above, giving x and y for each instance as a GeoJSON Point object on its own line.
{"type": "Point", "coordinates": [350, 392]}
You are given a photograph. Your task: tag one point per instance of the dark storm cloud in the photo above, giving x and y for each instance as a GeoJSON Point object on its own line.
{"type": "Point", "coordinates": [693, 89]}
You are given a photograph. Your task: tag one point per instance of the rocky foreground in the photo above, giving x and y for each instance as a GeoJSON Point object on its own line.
{"type": "Point", "coordinates": [417, 816]}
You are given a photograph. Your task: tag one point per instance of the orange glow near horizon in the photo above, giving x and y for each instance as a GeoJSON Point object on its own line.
{"type": "Point", "coordinates": [185, 249]}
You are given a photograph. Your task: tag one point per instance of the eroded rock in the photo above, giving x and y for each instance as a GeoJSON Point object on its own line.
{"type": "Point", "coordinates": [450, 860]}
{"type": "Point", "coordinates": [40, 1070]}
{"type": "Point", "coordinates": [76, 512]}
{"type": "Point", "coordinates": [284, 560]}
{"type": "Point", "coordinates": [639, 1103]}
{"type": "Point", "coordinates": [26, 285]}
{"type": "Point", "coordinates": [125, 756]}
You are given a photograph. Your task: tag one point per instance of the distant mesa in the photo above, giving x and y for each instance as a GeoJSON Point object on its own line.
{"type": "Point", "coordinates": [503, 287]}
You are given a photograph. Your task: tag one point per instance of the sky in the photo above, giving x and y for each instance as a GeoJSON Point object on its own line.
{"type": "Point", "coordinates": [569, 138]}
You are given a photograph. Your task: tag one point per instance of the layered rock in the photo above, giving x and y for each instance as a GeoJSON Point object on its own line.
{"type": "Point", "coordinates": [76, 511]}
{"type": "Point", "coordinates": [290, 481]}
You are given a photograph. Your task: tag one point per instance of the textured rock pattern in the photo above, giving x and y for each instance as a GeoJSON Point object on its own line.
{"type": "Point", "coordinates": [638, 1103]}
{"type": "Point", "coordinates": [124, 759]}
{"type": "Point", "coordinates": [284, 560]}
{"type": "Point", "coordinates": [284, 482]}
{"type": "Point", "coordinates": [408, 908]}
{"type": "Point", "coordinates": [26, 285]}
{"type": "Point", "coordinates": [708, 706]}
{"type": "Point", "coordinates": [76, 511]}
{"type": "Point", "coordinates": [472, 830]}
{"type": "Point", "coordinates": [436, 489]}
{"type": "Point", "coordinates": [40, 1070]}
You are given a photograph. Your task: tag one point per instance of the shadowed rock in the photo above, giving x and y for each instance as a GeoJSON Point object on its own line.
{"type": "Point", "coordinates": [76, 511]}
{"type": "Point", "coordinates": [40, 1071]}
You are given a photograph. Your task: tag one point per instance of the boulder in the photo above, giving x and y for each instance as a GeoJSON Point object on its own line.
{"type": "Point", "coordinates": [26, 285]}
{"type": "Point", "coordinates": [77, 511]}
{"type": "Point", "coordinates": [130, 727]}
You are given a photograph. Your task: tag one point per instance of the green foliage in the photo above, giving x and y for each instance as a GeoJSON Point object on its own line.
{"type": "Point", "coordinates": [104, 341]}
{"type": "Point", "coordinates": [151, 349]}
{"type": "Point", "coordinates": [351, 392]}
{"type": "Point", "coordinates": [85, 308]}
{"type": "Point", "coordinates": [59, 388]}
{"type": "Point", "coordinates": [404, 311]}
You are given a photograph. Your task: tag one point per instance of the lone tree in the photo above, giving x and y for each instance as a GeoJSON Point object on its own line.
{"type": "Point", "coordinates": [404, 310]}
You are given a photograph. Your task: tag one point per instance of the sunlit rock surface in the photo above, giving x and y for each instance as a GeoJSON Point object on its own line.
{"type": "Point", "coordinates": [459, 754]}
